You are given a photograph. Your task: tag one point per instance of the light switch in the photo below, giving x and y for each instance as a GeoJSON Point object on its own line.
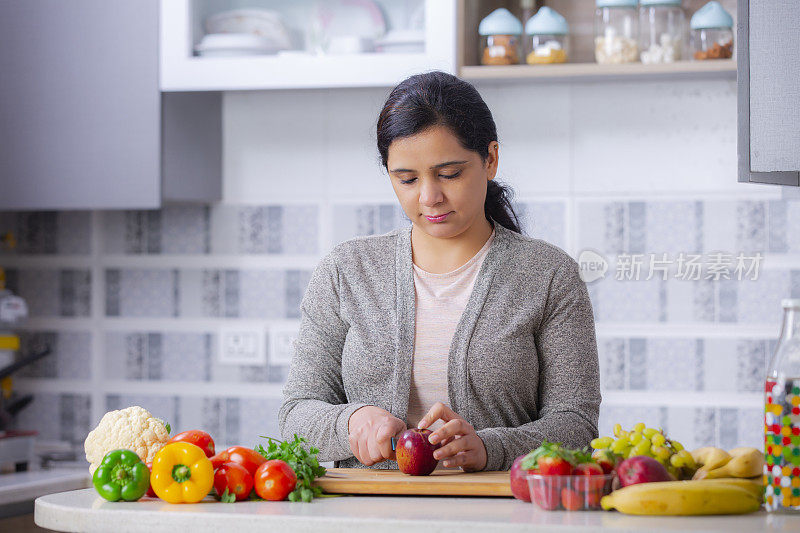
{"type": "Point", "coordinates": [241, 346]}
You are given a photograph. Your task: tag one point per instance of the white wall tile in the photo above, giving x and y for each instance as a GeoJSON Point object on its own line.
{"type": "Point", "coordinates": [533, 128]}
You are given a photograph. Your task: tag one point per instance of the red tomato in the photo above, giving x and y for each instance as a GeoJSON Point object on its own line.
{"type": "Point", "coordinates": [235, 478]}
{"type": "Point", "coordinates": [545, 494]}
{"type": "Point", "coordinates": [250, 459]}
{"type": "Point", "coordinates": [594, 480]}
{"type": "Point", "coordinates": [150, 491]}
{"type": "Point", "coordinates": [571, 500]}
{"type": "Point", "coordinates": [274, 480]}
{"type": "Point", "coordinates": [199, 438]}
{"type": "Point", "coordinates": [554, 466]}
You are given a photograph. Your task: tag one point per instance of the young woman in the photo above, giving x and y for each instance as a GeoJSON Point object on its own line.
{"type": "Point", "coordinates": [458, 319]}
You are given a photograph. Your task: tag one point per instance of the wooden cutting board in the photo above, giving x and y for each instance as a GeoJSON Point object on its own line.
{"type": "Point", "coordinates": [439, 483]}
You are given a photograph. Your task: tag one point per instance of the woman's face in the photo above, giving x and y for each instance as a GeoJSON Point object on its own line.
{"type": "Point", "coordinates": [433, 175]}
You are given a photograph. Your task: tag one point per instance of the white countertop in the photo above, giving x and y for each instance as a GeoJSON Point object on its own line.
{"type": "Point", "coordinates": [84, 510]}
{"type": "Point", "coordinates": [27, 486]}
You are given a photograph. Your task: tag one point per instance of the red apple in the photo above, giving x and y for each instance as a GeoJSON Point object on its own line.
{"type": "Point", "coordinates": [641, 469]}
{"type": "Point", "coordinates": [414, 452]}
{"type": "Point", "coordinates": [519, 480]}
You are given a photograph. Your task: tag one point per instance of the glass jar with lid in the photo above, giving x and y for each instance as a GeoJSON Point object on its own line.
{"type": "Point", "coordinates": [712, 33]}
{"type": "Point", "coordinates": [616, 31]}
{"type": "Point", "coordinates": [500, 42]}
{"type": "Point", "coordinates": [547, 38]}
{"type": "Point", "coordinates": [662, 30]}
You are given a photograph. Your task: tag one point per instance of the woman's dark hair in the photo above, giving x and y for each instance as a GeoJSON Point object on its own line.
{"type": "Point", "coordinates": [441, 99]}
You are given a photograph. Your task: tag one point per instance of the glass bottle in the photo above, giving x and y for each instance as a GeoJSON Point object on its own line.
{"type": "Point", "coordinates": [616, 31]}
{"type": "Point", "coordinates": [662, 28]}
{"type": "Point", "coordinates": [782, 417]}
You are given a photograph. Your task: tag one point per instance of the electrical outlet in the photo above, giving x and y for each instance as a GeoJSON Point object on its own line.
{"type": "Point", "coordinates": [241, 346]}
{"type": "Point", "coordinates": [281, 347]}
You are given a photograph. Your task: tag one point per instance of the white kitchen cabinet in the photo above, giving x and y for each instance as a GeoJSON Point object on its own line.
{"type": "Point", "coordinates": [82, 120]}
{"type": "Point", "coordinates": [769, 91]}
{"type": "Point", "coordinates": [181, 70]}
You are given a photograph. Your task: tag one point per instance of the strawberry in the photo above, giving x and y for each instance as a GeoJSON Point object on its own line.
{"type": "Point", "coordinates": [607, 460]}
{"type": "Point", "coordinates": [545, 495]}
{"type": "Point", "coordinates": [594, 477]}
{"type": "Point", "coordinates": [554, 466]}
{"type": "Point", "coordinates": [571, 500]}
{"type": "Point", "coordinates": [550, 459]}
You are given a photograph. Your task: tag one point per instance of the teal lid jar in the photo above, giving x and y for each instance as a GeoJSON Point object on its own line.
{"type": "Point", "coordinates": [711, 33]}
{"type": "Point", "coordinates": [500, 38]}
{"type": "Point", "coordinates": [547, 38]}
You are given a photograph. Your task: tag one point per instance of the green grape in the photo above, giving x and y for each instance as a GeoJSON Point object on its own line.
{"type": "Point", "coordinates": [688, 460]}
{"type": "Point", "coordinates": [628, 452]}
{"type": "Point", "coordinates": [677, 446]}
{"type": "Point", "coordinates": [676, 461]}
{"type": "Point", "coordinates": [624, 434]}
{"type": "Point", "coordinates": [638, 428]}
{"type": "Point", "coordinates": [635, 438]}
{"type": "Point", "coordinates": [661, 453]}
{"type": "Point", "coordinates": [649, 432]}
{"type": "Point", "coordinates": [658, 439]}
{"type": "Point", "coordinates": [601, 442]}
{"type": "Point", "coordinates": [643, 448]}
{"type": "Point", "coordinates": [617, 429]}
{"type": "Point", "coordinates": [620, 445]}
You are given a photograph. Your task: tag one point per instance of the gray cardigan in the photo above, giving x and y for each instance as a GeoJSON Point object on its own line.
{"type": "Point", "coordinates": [522, 366]}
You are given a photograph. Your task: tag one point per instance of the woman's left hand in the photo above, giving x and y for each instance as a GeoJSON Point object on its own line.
{"type": "Point", "coordinates": [461, 445]}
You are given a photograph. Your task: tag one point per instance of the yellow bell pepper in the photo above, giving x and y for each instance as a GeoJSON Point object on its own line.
{"type": "Point", "coordinates": [181, 473]}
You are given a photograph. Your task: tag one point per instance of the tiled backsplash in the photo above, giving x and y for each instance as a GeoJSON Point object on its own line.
{"type": "Point", "coordinates": [132, 302]}
{"type": "Point", "coordinates": [163, 298]}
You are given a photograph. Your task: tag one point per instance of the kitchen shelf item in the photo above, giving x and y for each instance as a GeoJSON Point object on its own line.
{"type": "Point", "coordinates": [712, 33]}
{"type": "Point", "coordinates": [782, 417]}
{"type": "Point", "coordinates": [570, 493]}
{"type": "Point", "coordinates": [16, 449]}
{"type": "Point", "coordinates": [235, 44]}
{"type": "Point", "coordinates": [546, 38]}
{"type": "Point", "coordinates": [616, 32]}
{"type": "Point", "coordinates": [442, 482]}
{"type": "Point", "coordinates": [500, 42]}
{"type": "Point", "coordinates": [662, 31]}
{"type": "Point", "coordinates": [433, 47]}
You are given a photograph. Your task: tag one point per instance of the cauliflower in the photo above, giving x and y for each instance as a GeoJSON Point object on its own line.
{"type": "Point", "coordinates": [133, 428]}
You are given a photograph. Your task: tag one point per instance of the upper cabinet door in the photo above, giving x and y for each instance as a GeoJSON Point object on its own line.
{"type": "Point", "coordinates": [769, 91]}
{"type": "Point", "coordinates": [79, 104]}
{"type": "Point", "coordinates": [419, 35]}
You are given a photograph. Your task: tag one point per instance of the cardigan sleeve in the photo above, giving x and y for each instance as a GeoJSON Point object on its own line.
{"type": "Point", "coordinates": [315, 404]}
{"type": "Point", "coordinates": [568, 383]}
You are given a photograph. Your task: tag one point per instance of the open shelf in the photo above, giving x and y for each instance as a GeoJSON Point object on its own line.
{"type": "Point", "coordinates": [589, 71]}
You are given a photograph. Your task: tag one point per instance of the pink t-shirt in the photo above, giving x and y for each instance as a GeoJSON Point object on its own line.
{"type": "Point", "coordinates": [440, 301]}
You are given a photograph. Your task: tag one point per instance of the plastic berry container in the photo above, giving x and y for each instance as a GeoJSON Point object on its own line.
{"type": "Point", "coordinates": [569, 493]}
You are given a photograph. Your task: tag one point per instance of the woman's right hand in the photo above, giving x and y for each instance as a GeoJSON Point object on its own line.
{"type": "Point", "coordinates": [370, 431]}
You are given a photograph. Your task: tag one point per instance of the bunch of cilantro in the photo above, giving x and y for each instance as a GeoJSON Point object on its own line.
{"type": "Point", "coordinates": [303, 462]}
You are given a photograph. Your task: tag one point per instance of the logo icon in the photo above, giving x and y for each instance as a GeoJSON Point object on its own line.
{"type": "Point", "coordinates": [593, 266]}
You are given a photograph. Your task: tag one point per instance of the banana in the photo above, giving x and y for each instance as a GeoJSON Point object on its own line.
{"type": "Point", "coordinates": [755, 485]}
{"type": "Point", "coordinates": [682, 498]}
{"type": "Point", "coordinates": [746, 462]}
{"type": "Point", "coordinates": [709, 458]}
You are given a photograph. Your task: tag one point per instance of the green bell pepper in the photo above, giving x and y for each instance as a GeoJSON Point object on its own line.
{"type": "Point", "coordinates": [121, 476]}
